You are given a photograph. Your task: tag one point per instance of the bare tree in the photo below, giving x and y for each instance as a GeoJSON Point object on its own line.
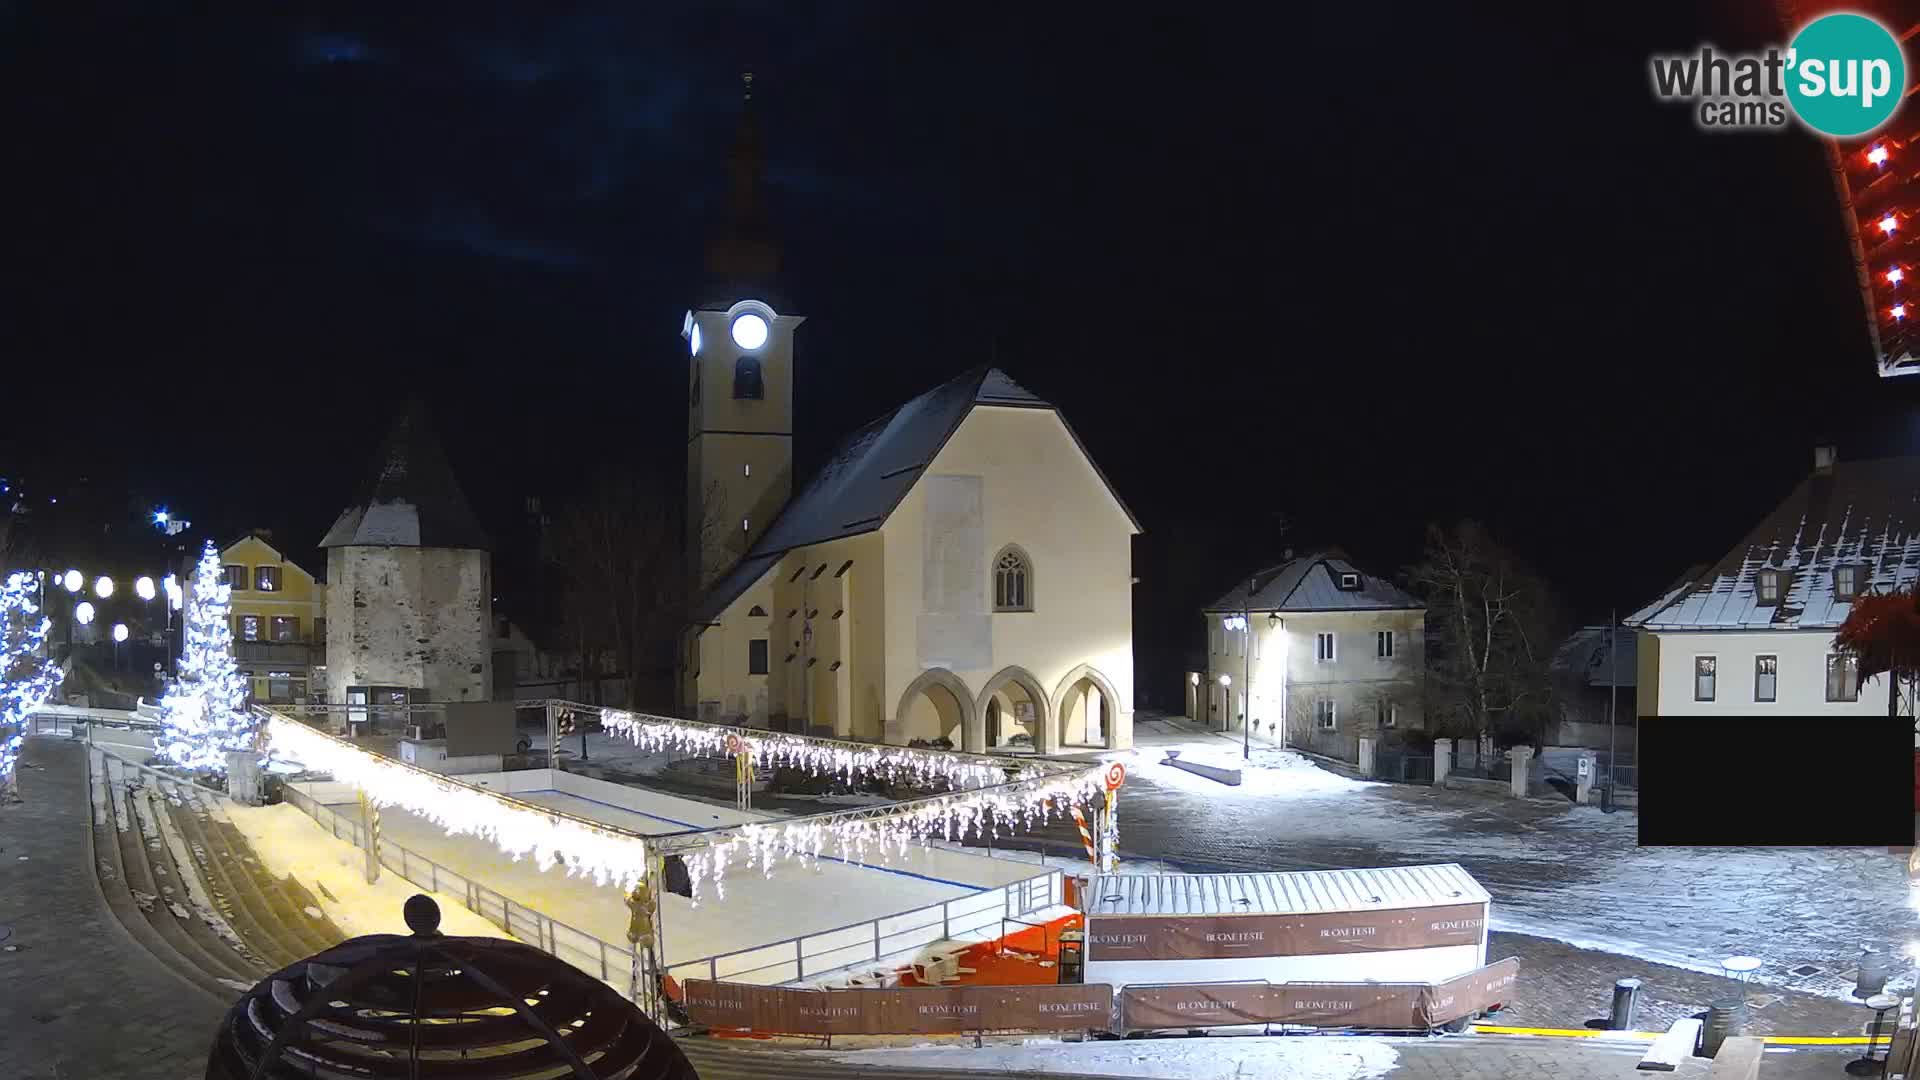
{"type": "Point", "coordinates": [1491, 627]}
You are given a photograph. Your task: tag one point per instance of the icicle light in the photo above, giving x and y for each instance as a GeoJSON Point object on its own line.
{"type": "Point", "coordinates": [522, 830]}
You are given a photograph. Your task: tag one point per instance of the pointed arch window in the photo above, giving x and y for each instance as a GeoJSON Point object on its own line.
{"type": "Point", "coordinates": [746, 379]}
{"type": "Point", "coordinates": [1012, 580]}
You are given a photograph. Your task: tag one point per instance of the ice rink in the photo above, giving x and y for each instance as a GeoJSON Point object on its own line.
{"type": "Point", "coordinates": [757, 909]}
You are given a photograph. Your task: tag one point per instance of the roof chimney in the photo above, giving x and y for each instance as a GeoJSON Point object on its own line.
{"type": "Point", "coordinates": [1823, 459]}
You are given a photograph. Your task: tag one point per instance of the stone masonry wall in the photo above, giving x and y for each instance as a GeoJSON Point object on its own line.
{"type": "Point", "coordinates": [405, 616]}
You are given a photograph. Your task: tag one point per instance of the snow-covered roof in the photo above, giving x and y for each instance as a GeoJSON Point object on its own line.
{"type": "Point", "coordinates": [1312, 583]}
{"type": "Point", "coordinates": [1864, 514]}
{"type": "Point", "coordinates": [1296, 893]}
{"type": "Point", "coordinates": [413, 501]}
{"type": "Point", "coordinates": [1584, 656]}
{"type": "Point", "coordinates": [872, 470]}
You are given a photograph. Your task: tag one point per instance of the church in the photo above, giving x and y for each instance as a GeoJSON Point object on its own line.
{"type": "Point", "coordinates": [959, 570]}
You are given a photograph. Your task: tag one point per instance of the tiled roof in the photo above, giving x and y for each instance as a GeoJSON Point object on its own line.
{"type": "Point", "coordinates": [1584, 655]}
{"type": "Point", "coordinates": [871, 471]}
{"type": "Point", "coordinates": [1861, 513]}
{"type": "Point", "coordinates": [1311, 583]}
{"type": "Point", "coordinates": [413, 501]}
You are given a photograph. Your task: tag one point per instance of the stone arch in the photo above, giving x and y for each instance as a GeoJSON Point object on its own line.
{"type": "Point", "coordinates": [1063, 713]}
{"type": "Point", "coordinates": [936, 684]}
{"type": "Point", "coordinates": [1023, 679]}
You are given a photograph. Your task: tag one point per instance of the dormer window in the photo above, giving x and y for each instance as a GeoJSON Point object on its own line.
{"type": "Point", "coordinates": [1769, 587]}
{"type": "Point", "coordinates": [1846, 582]}
{"type": "Point", "coordinates": [1349, 580]}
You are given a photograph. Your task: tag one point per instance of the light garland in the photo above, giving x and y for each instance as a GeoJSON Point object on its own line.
{"type": "Point", "coordinates": [849, 761]}
{"type": "Point", "coordinates": [27, 678]}
{"type": "Point", "coordinates": [607, 855]}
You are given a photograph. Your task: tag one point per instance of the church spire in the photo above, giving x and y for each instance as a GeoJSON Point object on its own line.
{"type": "Point", "coordinates": [743, 252]}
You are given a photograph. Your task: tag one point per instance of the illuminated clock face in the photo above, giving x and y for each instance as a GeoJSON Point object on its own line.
{"type": "Point", "coordinates": [693, 339]}
{"type": "Point", "coordinates": [749, 331]}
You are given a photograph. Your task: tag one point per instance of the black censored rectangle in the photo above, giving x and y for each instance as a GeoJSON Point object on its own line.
{"type": "Point", "coordinates": [1776, 781]}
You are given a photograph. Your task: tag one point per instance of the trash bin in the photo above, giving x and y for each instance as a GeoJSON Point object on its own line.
{"type": "Point", "coordinates": [1626, 996]}
{"type": "Point", "coordinates": [1872, 975]}
{"type": "Point", "coordinates": [1725, 1019]}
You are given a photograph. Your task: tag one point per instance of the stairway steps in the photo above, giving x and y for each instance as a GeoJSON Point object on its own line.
{"type": "Point", "coordinates": [245, 909]}
{"type": "Point", "coordinates": [284, 900]}
{"type": "Point", "coordinates": [189, 881]}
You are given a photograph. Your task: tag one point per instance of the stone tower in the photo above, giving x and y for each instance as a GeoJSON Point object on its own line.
{"type": "Point", "coordinates": [740, 376]}
{"type": "Point", "coordinates": [409, 581]}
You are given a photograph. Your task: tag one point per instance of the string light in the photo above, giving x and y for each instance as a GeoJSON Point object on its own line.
{"type": "Point", "coordinates": [26, 677]}
{"type": "Point", "coordinates": [522, 830]}
{"type": "Point", "coordinates": [1877, 155]}
{"type": "Point", "coordinates": [1888, 224]}
{"type": "Point", "coordinates": [1899, 311]}
{"type": "Point", "coordinates": [1894, 275]}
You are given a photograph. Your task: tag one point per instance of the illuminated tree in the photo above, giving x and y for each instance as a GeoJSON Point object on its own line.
{"type": "Point", "coordinates": [204, 711]}
{"type": "Point", "coordinates": [27, 673]}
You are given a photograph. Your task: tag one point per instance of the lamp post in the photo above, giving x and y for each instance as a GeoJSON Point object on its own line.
{"type": "Point", "coordinates": [1613, 694]}
{"type": "Point", "coordinates": [1277, 626]}
{"type": "Point", "coordinates": [1246, 650]}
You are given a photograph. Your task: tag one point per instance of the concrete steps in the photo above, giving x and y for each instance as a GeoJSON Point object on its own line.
{"type": "Point", "coordinates": [282, 909]}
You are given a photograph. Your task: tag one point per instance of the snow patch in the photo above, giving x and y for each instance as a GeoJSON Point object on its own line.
{"type": "Point", "coordinates": [1267, 772]}
{"type": "Point", "coordinates": [1213, 1058]}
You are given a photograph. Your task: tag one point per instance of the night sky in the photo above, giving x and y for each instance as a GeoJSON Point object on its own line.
{"type": "Point", "coordinates": [1460, 265]}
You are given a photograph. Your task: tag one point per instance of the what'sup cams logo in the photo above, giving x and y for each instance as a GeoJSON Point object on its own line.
{"type": "Point", "coordinates": [1843, 75]}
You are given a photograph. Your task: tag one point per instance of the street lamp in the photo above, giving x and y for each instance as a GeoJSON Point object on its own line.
{"type": "Point", "coordinates": [72, 581]}
{"type": "Point", "coordinates": [103, 587]}
{"type": "Point", "coordinates": [143, 588]}
{"type": "Point", "coordinates": [83, 612]}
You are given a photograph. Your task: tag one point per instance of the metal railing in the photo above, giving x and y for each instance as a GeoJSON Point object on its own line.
{"type": "Point", "coordinates": [876, 940]}
{"type": "Point", "coordinates": [612, 963]}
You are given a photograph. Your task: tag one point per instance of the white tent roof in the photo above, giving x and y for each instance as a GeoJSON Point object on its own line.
{"type": "Point", "coordinates": [1282, 894]}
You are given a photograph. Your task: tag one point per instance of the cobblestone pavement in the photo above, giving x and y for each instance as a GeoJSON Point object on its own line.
{"type": "Point", "coordinates": [78, 997]}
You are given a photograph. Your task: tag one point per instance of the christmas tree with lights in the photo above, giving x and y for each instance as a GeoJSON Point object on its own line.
{"type": "Point", "coordinates": [204, 712]}
{"type": "Point", "coordinates": [27, 673]}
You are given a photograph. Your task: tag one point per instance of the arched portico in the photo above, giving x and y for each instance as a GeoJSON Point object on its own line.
{"type": "Point", "coordinates": [1085, 703]}
{"type": "Point", "coordinates": [1002, 698]}
{"type": "Point", "coordinates": [936, 704]}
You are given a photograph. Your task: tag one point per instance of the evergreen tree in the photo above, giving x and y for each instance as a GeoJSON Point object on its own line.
{"type": "Point", "coordinates": [27, 675]}
{"type": "Point", "coordinates": [204, 712]}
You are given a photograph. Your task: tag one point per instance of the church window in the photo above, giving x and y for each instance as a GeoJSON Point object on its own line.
{"type": "Point", "coordinates": [758, 611]}
{"type": "Point", "coordinates": [1012, 580]}
{"type": "Point", "coordinates": [757, 656]}
{"type": "Point", "coordinates": [746, 379]}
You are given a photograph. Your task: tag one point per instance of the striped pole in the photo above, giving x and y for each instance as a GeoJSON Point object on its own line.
{"type": "Point", "coordinates": [1086, 836]}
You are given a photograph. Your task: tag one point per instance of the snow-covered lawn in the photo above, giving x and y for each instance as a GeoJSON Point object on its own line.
{"type": "Point", "coordinates": [289, 842]}
{"type": "Point", "coordinates": [1219, 1058]}
{"type": "Point", "coordinates": [1575, 875]}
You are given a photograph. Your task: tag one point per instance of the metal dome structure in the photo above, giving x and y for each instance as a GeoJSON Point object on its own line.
{"type": "Point", "coordinates": [428, 1005]}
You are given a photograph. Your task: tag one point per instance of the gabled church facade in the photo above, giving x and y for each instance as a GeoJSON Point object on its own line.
{"type": "Point", "coordinates": [960, 569]}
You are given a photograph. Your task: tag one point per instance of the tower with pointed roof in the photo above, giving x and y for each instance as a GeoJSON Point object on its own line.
{"type": "Point", "coordinates": [740, 374]}
{"type": "Point", "coordinates": [409, 581]}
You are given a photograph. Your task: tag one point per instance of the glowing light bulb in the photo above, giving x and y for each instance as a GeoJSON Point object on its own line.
{"type": "Point", "coordinates": [119, 631]}
{"type": "Point", "coordinates": [159, 517]}
{"type": "Point", "coordinates": [143, 588]}
{"type": "Point", "coordinates": [103, 587]}
{"type": "Point", "coordinates": [71, 580]}
{"type": "Point", "coordinates": [1888, 224]}
{"type": "Point", "coordinates": [1899, 311]}
{"type": "Point", "coordinates": [1877, 155]}
{"type": "Point", "coordinates": [83, 613]}
{"type": "Point", "coordinates": [1894, 275]}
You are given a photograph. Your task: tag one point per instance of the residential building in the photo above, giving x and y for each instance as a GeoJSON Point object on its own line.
{"type": "Point", "coordinates": [1594, 672]}
{"type": "Point", "coordinates": [279, 621]}
{"type": "Point", "coordinates": [1315, 647]}
{"type": "Point", "coordinates": [959, 569]}
{"type": "Point", "coordinates": [1753, 632]}
{"type": "Point", "coordinates": [409, 583]}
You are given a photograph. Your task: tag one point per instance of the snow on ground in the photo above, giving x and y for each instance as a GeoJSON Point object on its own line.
{"type": "Point", "coordinates": [1575, 875]}
{"type": "Point", "coordinates": [289, 842]}
{"type": "Point", "coordinates": [612, 751]}
{"type": "Point", "coordinates": [1216, 1058]}
{"type": "Point", "coordinates": [1267, 772]}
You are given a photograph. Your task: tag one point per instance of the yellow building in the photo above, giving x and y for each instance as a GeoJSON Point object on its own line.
{"type": "Point", "coordinates": [279, 621]}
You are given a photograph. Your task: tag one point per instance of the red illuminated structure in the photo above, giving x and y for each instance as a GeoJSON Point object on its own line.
{"type": "Point", "coordinates": [1878, 178]}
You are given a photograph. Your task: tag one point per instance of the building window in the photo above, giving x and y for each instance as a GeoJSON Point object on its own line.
{"type": "Point", "coordinates": [1323, 647]}
{"type": "Point", "coordinates": [320, 631]}
{"type": "Point", "coordinates": [266, 578]}
{"type": "Point", "coordinates": [1766, 678]}
{"type": "Point", "coordinates": [1769, 586]}
{"type": "Point", "coordinates": [1383, 644]}
{"type": "Point", "coordinates": [1012, 581]}
{"type": "Point", "coordinates": [236, 577]}
{"type": "Point", "coordinates": [1389, 714]}
{"type": "Point", "coordinates": [286, 628]}
{"type": "Point", "coordinates": [280, 687]}
{"type": "Point", "coordinates": [1349, 581]}
{"type": "Point", "coordinates": [1846, 582]}
{"type": "Point", "coordinates": [1326, 714]}
{"type": "Point", "coordinates": [746, 379]}
{"type": "Point", "coordinates": [1213, 638]}
{"type": "Point", "coordinates": [248, 628]}
{"type": "Point", "coordinates": [1843, 678]}
{"type": "Point", "coordinates": [757, 656]}
{"type": "Point", "coordinates": [1703, 678]}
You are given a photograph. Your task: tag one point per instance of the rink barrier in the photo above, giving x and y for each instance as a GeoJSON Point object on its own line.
{"type": "Point", "coordinates": [886, 940]}
{"type": "Point", "coordinates": [612, 963]}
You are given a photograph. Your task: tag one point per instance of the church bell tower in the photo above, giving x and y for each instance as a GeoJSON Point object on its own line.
{"type": "Point", "coordinates": [740, 376]}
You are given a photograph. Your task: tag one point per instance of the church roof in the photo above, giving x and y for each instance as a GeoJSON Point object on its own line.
{"type": "Point", "coordinates": [872, 470]}
{"type": "Point", "coordinates": [413, 500]}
